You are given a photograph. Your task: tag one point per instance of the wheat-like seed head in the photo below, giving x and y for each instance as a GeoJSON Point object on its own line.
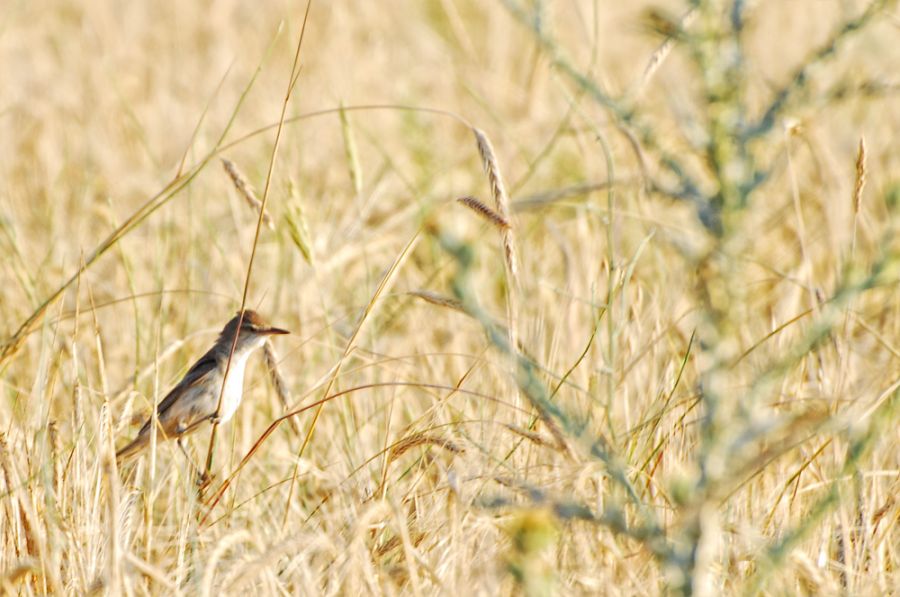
{"type": "Point", "coordinates": [127, 516]}
{"type": "Point", "coordinates": [6, 464]}
{"type": "Point", "coordinates": [421, 439]}
{"type": "Point", "coordinates": [297, 227]}
{"type": "Point", "coordinates": [662, 52]}
{"type": "Point", "coordinates": [485, 212]}
{"type": "Point", "coordinates": [492, 169]}
{"type": "Point", "coordinates": [350, 152]}
{"type": "Point", "coordinates": [55, 453]}
{"type": "Point", "coordinates": [245, 190]}
{"type": "Point", "coordinates": [860, 175]}
{"type": "Point", "coordinates": [532, 436]}
{"type": "Point", "coordinates": [437, 299]}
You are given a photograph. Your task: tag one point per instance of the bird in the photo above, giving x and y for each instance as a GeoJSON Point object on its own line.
{"type": "Point", "coordinates": [195, 399]}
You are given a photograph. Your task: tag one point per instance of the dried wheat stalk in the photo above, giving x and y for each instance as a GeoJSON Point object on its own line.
{"type": "Point", "coordinates": [19, 509]}
{"type": "Point", "coordinates": [501, 198]}
{"type": "Point", "coordinates": [281, 389]}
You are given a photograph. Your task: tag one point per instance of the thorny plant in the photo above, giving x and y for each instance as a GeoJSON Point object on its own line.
{"type": "Point", "coordinates": [735, 425]}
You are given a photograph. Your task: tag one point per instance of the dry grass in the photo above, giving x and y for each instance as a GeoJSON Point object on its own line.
{"type": "Point", "coordinates": [651, 370]}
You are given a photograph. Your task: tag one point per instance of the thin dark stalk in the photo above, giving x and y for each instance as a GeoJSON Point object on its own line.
{"type": "Point", "coordinates": [259, 223]}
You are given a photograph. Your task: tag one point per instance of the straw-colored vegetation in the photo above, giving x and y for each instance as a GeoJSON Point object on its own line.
{"type": "Point", "coordinates": [588, 297]}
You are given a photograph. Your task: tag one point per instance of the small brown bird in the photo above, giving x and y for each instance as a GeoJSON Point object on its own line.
{"type": "Point", "coordinates": [194, 400]}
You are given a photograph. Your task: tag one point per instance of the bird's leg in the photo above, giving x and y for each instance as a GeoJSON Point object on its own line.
{"type": "Point", "coordinates": [200, 476]}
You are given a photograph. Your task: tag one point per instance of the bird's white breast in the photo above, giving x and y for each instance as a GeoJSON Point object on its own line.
{"type": "Point", "coordinates": [234, 386]}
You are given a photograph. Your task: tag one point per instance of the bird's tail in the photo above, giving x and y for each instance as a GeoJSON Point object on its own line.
{"type": "Point", "coordinates": [133, 448]}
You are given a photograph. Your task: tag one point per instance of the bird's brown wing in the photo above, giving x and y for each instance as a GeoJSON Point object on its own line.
{"type": "Point", "coordinates": [195, 375]}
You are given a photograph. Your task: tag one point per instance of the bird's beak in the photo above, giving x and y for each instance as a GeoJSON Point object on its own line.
{"type": "Point", "coordinates": [274, 331]}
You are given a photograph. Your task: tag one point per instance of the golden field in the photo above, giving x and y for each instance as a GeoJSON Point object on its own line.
{"type": "Point", "coordinates": [656, 352]}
